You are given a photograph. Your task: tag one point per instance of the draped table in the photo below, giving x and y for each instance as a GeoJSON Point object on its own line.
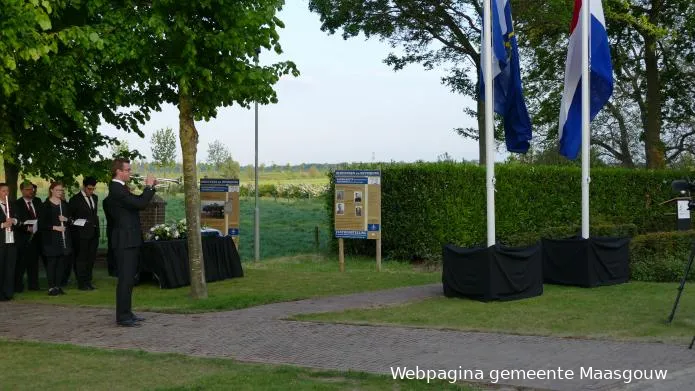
{"type": "Point", "coordinates": [167, 261]}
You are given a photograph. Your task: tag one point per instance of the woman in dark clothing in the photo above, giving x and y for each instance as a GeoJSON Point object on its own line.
{"type": "Point", "coordinates": [55, 237]}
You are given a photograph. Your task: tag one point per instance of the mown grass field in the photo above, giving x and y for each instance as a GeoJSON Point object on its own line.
{"type": "Point", "coordinates": [632, 311]}
{"type": "Point", "coordinates": [42, 366]}
{"type": "Point", "coordinates": [269, 281]}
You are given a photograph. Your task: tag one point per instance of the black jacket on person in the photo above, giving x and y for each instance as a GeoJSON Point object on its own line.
{"type": "Point", "coordinates": [21, 212]}
{"type": "Point", "coordinates": [52, 241]}
{"type": "Point", "coordinates": [79, 209]}
{"type": "Point", "coordinates": [123, 212]}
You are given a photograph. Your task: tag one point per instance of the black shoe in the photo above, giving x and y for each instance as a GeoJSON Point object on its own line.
{"type": "Point", "coordinates": [91, 287]}
{"type": "Point", "coordinates": [83, 288]}
{"type": "Point", "coordinates": [127, 323]}
{"type": "Point", "coordinates": [138, 318]}
{"type": "Point", "coordinates": [53, 292]}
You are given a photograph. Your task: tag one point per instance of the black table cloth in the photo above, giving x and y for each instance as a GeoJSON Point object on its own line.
{"type": "Point", "coordinates": [167, 261]}
{"type": "Point", "coordinates": [587, 263]}
{"type": "Point", "coordinates": [492, 273]}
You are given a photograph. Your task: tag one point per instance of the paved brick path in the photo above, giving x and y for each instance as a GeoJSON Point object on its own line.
{"type": "Point", "coordinates": [260, 334]}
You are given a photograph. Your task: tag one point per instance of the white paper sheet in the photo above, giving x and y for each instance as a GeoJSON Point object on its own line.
{"type": "Point", "coordinates": [80, 222]}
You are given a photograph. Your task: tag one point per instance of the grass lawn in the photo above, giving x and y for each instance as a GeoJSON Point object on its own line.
{"type": "Point", "coordinates": [41, 366]}
{"type": "Point", "coordinates": [633, 311]}
{"type": "Point", "coordinates": [282, 279]}
{"type": "Point", "coordinates": [287, 227]}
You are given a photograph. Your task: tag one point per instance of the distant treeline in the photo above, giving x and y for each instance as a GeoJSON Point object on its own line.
{"type": "Point", "coordinates": [322, 167]}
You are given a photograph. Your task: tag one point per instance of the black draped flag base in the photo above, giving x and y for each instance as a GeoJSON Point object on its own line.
{"type": "Point", "coordinates": [167, 261]}
{"type": "Point", "coordinates": [589, 262]}
{"type": "Point", "coordinates": [493, 273]}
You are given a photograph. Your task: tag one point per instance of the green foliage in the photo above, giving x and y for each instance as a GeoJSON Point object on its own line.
{"type": "Point", "coordinates": [287, 191]}
{"type": "Point", "coordinates": [661, 256]}
{"type": "Point", "coordinates": [649, 108]}
{"type": "Point", "coordinates": [230, 168]}
{"type": "Point", "coordinates": [164, 147]}
{"type": "Point", "coordinates": [218, 153]}
{"type": "Point", "coordinates": [69, 75]}
{"type": "Point", "coordinates": [208, 50]}
{"type": "Point", "coordinates": [427, 205]}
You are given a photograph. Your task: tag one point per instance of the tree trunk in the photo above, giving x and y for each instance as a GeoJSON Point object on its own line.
{"type": "Point", "coordinates": [654, 148]}
{"type": "Point", "coordinates": [482, 150]}
{"type": "Point", "coordinates": [11, 178]}
{"type": "Point", "coordinates": [189, 149]}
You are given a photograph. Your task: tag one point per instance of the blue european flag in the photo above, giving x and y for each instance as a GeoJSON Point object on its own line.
{"type": "Point", "coordinates": [506, 75]}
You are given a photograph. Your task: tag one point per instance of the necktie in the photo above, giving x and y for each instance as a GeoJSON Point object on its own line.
{"type": "Point", "coordinates": [31, 210]}
{"type": "Point", "coordinates": [89, 202]}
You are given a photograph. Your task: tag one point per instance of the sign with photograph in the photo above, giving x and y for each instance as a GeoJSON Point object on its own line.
{"type": "Point", "coordinates": [358, 204]}
{"type": "Point", "coordinates": [219, 206]}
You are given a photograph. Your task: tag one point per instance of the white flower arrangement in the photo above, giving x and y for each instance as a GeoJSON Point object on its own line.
{"type": "Point", "coordinates": [181, 228]}
{"type": "Point", "coordinates": [163, 232]}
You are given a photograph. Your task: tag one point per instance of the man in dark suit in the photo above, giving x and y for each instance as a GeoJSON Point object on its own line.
{"type": "Point", "coordinates": [8, 250]}
{"type": "Point", "coordinates": [126, 236]}
{"type": "Point", "coordinates": [83, 206]}
{"type": "Point", "coordinates": [110, 261]}
{"type": "Point", "coordinates": [27, 208]}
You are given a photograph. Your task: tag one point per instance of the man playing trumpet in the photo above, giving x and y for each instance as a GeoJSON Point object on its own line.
{"type": "Point", "coordinates": [123, 209]}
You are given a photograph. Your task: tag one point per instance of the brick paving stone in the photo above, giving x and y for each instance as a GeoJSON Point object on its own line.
{"type": "Point", "coordinates": [260, 334]}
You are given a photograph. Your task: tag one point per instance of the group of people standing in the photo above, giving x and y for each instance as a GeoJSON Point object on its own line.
{"type": "Point", "coordinates": [64, 234]}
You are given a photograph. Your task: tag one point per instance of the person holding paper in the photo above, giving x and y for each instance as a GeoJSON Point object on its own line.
{"type": "Point", "coordinates": [85, 230]}
{"type": "Point", "coordinates": [26, 209]}
{"type": "Point", "coordinates": [8, 247]}
{"type": "Point", "coordinates": [55, 236]}
{"type": "Point", "coordinates": [123, 209]}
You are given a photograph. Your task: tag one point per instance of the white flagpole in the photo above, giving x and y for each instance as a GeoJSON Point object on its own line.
{"type": "Point", "coordinates": [489, 137]}
{"type": "Point", "coordinates": [585, 20]}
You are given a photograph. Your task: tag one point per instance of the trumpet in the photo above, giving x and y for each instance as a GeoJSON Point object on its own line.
{"type": "Point", "coordinates": [165, 180]}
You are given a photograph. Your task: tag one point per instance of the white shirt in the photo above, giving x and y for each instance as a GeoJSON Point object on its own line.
{"type": "Point", "coordinates": [118, 180]}
{"type": "Point", "coordinates": [89, 199]}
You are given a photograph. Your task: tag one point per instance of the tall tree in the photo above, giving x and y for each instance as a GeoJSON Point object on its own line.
{"type": "Point", "coordinates": [430, 32]}
{"type": "Point", "coordinates": [58, 89]}
{"type": "Point", "coordinates": [199, 55]}
{"type": "Point", "coordinates": [652, 50]}
{"type": "Point", "coordinates": [218, 154]}
{"type": "Point", "coordinates": [164, 147]}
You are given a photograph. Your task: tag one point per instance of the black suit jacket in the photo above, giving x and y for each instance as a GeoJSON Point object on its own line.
{"type": "Point", "coordinates": [123, 215]}
{"type": "Point", "coordinates": [21, 212]}
{"type": "Point", "coordinates": [80, 210]}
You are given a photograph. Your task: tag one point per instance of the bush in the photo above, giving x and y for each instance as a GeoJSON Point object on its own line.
{"type": "Point", "coordinates": [661, 256]}
{"type": "Point", "coordinates": [611, 230]}
{"type": "Point", "coordinates": [291, 191]}
{"type": "Point", "coordinates": [426, 205]}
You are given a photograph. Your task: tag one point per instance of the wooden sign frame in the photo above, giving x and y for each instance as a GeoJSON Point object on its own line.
{"type": "Point", "coordinates": [219, 206]}
{"type": "Point", "coordinates": [357, 209]}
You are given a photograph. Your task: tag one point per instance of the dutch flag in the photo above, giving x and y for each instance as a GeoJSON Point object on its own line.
{"type": "Point", "coordinates": [601, 79]}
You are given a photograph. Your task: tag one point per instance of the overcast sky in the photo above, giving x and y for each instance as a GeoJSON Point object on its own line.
{"type": "Point", "coordinates": [346, 106]}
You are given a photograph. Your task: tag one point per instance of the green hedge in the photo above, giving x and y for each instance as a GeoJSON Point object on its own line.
{"type": "Point", "coordinates": [661, 256]}
{"type": "Point", "coordinates": [426, 205]}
